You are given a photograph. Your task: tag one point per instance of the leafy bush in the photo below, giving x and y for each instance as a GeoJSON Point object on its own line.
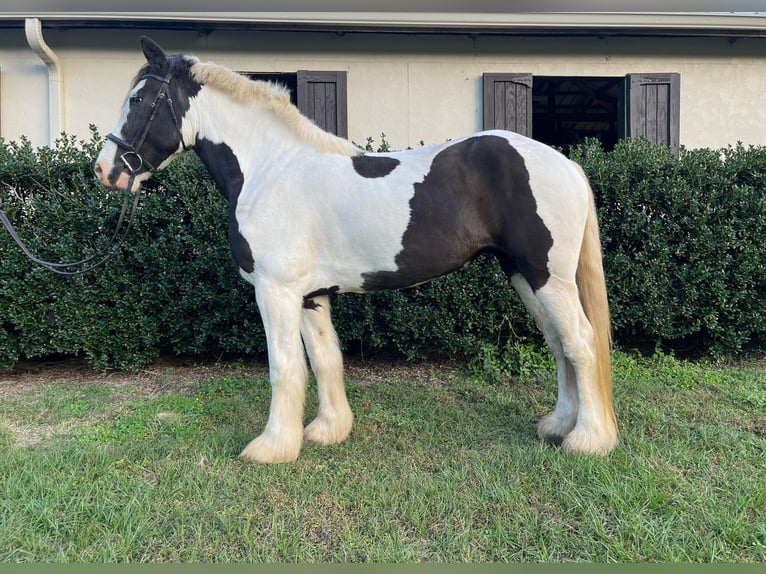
{"type": "Point", "coordinates": [683, 255]}
{"type": "Point", "coordinates": [171, 285]}
{"type": "Point", "coordinates": [683, 242]}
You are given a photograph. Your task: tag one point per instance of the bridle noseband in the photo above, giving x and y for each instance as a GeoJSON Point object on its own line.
{"type": "Point", "coordinates": [133, 149]}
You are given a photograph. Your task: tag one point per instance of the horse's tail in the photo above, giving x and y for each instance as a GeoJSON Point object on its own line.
{"type": "Point", "coordinates": [591, 284]}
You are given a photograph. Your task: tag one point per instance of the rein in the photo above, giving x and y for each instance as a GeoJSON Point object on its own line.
{"type": "Point", "coordinates": [132, 150]}
{"type": "Point", "coordinates": [100, 257]}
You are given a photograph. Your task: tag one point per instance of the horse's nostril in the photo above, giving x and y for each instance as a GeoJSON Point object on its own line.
{"type": "Point", "coordinates": [98, 170]}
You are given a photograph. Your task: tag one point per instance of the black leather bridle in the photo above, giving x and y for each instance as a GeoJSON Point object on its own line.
{"type": "Point", "coordinates": [132, 150]}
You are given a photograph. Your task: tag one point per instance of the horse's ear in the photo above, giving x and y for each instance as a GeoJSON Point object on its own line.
{"type": "Point", "coordinates": [154, 54]}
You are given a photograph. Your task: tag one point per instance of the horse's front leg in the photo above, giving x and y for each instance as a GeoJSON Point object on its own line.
{"type": "Point", "coordinates": [281, 440]}
{"type": "Point", "coordinates": [334, 420]}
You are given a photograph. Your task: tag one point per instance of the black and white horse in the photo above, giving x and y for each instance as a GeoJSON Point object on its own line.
{"type": "Point", "coordinates": [310, 214]}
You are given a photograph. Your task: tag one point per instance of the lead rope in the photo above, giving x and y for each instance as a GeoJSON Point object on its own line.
{"type": "Point", "coordinates": [100, 257]}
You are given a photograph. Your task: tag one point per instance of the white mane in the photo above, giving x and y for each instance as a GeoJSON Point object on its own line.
{"type": "Point", "coordinates": [276, 97]}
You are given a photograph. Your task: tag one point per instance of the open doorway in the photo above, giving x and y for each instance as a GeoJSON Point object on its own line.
{"type": "Point", "coordinates": [286, 79]}
{"type": "Point", "coordinates": [564, 110]}
{"type": "Point", "coordinates": [568, 109]}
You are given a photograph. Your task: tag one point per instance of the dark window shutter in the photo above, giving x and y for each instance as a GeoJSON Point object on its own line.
{"type": "Point", "coordinates": [508, 102]}
{"type": "Point", "coordinates": [654, 107]}
{"type": "Point", "coordinates": [322, 97]}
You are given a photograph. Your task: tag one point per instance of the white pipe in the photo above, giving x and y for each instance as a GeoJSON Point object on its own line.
{"type": "Point", "coordinates": [34, 30]}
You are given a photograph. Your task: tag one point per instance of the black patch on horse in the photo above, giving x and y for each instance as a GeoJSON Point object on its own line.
{"type": "Point", "coordinates": [308, 299]}
{"type": "Point", "coordinates": [227, 175]}
{"type": "Point", "coordinates": [373, 166]}
{"type": "Point", "coordinates": [164, 138]}
{"type": "Point", "coordinates": [476, 197]}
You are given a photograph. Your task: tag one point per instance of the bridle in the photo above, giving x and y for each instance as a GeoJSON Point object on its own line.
{"type": "Point", "coordinates": [133, 150]}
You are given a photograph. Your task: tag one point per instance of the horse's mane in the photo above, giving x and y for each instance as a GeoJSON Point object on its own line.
{"type": "Point", "coordinates": [275, 96]}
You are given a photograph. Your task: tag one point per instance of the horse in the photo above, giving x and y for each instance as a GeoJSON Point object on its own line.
{"type": "Point", "coordinates": [311, 214]}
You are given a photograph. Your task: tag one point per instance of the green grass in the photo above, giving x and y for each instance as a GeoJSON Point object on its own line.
{"type": "Point", "coordinates": [448, 472]}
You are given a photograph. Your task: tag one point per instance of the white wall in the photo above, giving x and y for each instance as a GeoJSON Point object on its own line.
{"type": "Point", "coordinates": [23, 90]}
{"type": "Point", "coordinates": [412, 88]}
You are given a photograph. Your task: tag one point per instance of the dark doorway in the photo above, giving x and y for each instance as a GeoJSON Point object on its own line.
{"type": "Point", "coordinates": [286, 79]}
{"type": "Point", "coordinates": [568, 109]}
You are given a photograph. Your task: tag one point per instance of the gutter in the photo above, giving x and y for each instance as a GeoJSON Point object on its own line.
{"type": "Point", "coordinates": [492, 22]}
{"type": "Point", "coordinates": [34, 31]}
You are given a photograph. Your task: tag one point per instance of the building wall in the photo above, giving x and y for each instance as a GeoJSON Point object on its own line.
{"type": "Point", "coordinates": [410, 87]}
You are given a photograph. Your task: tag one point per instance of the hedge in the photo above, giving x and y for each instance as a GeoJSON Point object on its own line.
{"type": "Point", "coordinates": [683, 243]}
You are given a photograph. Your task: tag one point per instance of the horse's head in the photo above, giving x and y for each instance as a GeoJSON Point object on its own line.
{"type": "Point", "coordinates": [150, 131]}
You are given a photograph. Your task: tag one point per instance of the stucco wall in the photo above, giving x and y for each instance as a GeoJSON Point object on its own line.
{"type": "Point", "coordinates": [412, 88]}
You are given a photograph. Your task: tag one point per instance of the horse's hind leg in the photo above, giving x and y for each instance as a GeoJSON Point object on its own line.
{"type": "Point", "coordinates": [281, 440]}
{"type": "Point", "coordinates": [594, 431]}
{"type": "Point", "coordinates": [334, 419]}
{"type": "Point", "coordinates": [555, 426]}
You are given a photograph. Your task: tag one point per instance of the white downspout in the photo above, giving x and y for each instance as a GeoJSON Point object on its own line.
{"type": "Point", "coordinates": [34, 30]}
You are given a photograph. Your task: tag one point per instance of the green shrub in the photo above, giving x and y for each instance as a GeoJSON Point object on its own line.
{"type": "Point", "coordinates": [683, 257]}
{"type": "Point", "coordinates": [172, 285]}
{"type": "Point", "coordinates": [683, 244]}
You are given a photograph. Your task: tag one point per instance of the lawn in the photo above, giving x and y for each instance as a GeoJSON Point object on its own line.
{"type": "Point", "coordinates": [442, 465]}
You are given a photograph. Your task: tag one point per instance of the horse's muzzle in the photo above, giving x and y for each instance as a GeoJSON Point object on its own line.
{"type": "Point", "coordinates": [106, 175]}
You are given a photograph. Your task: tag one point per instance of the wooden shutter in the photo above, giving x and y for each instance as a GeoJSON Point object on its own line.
{"type": "Point", "coordinates": [653, 102]}
{"type": "Point", "coordinates": [322, 97]}
{"type": "Point", "coordinates": [508, 102]}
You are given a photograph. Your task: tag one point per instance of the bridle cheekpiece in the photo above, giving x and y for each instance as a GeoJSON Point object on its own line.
{"type": "Point", "coordinates": [133, 149]}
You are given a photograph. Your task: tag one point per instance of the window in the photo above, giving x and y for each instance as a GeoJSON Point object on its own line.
{"type": "Point", "coordinates": [564, 110]}
{"type": "Point", "coordinates": [320, 96]}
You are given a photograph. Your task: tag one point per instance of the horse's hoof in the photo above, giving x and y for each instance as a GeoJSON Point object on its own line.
{"type": "Point", "coordinates": [262, 450]}
{"type": "Point", "coordinates": [593, 442]}
{"type": "Point", "coordinates": [553, 428]}
{"type": "Point", "coordinates": [325, 430]}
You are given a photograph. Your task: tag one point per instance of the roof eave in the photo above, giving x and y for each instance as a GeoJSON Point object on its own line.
{"type": "Point", "coordinates": [593, 23]}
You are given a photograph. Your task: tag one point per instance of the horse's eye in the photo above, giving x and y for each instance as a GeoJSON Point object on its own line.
{"type": "Point", "coordinates": [134, 100]}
